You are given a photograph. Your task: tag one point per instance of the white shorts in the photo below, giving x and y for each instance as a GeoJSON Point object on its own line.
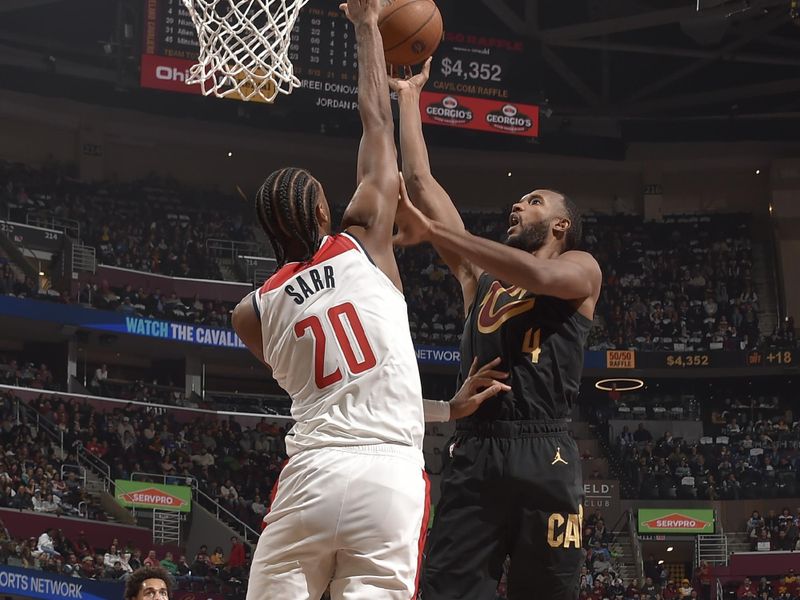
{"type": "Point", "coordinates": [354, 518]}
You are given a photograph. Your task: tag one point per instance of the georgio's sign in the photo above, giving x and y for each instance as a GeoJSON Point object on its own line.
{"type": "Point", "coordinates": [448, 111]}
{"type": "Point", "coordinates": [510, 118]}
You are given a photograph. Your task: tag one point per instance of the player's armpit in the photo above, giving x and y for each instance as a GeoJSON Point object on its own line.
{"type": "Point", "coordinates": [430, 198]}
{"type": "Point", "coordinates": [247, 325]}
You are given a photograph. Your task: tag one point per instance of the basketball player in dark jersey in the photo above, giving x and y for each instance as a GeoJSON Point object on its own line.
{"type": "Point", "coordinates": [512, 484]}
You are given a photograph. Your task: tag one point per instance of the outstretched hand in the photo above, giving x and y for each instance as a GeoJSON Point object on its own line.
{"type": "Point", "coordinates": [479, 386]}
{"type": "Point", "coordinates": [361, 11]}
{"type": "Point", "coordinates": [413, 227]}
{"type": "Point", "coordinates": [410, 82]}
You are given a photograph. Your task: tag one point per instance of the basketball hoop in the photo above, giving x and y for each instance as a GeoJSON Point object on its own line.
{"type": "Point", "coordinates": [244, 47]}
{"type": "Point", "coordinates": [628, 384]}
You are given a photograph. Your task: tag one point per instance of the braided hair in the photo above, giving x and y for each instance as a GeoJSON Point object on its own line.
{"type": "Point", "coordinates": [285, 206]}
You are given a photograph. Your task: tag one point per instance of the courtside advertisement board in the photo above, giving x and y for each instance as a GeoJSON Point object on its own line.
{"type": "Point", "coordinates": [676, 520]}
{"type": "Point", "coordinates": [28, 583]}
{"type": "Point", "coordinates": [143, 494]}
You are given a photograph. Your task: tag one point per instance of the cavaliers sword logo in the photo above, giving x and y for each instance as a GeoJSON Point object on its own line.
{"type": "Point", "coordinates": [492, 316]}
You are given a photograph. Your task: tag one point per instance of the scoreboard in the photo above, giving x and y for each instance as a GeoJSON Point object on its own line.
{"type": "Point", "coordinates": [477, 82]}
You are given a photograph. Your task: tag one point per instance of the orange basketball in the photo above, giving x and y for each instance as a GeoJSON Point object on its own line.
{"type": "Point", "coordinates": [411, 30]}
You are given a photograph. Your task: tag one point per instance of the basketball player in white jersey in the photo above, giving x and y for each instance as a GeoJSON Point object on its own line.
{"type": "Point", "coordinates": [350, 508]}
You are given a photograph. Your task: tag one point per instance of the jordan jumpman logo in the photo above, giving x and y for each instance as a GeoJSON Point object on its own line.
{"type": "Point", "coordinates": [558, 457]}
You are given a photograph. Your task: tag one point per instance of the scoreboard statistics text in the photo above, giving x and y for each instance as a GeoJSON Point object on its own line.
{"type": "Point", "coordinates": [472, 83]}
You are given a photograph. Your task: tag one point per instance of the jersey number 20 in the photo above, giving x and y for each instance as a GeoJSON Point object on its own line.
{"type": "Point", "coordinates": [336, 317]}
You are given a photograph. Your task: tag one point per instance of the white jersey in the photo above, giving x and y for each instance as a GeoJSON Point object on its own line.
{"type": "Point", "coordinates": [335, 332]}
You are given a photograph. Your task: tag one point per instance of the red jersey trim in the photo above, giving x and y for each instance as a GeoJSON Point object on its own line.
{"type": "Point", "coordinates": [332, 246]}
{"type": "Point", "coordinates": [423, 532]}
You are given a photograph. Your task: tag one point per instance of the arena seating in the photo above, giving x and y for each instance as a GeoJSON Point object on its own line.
{"type": "Point", "coordinates": [750, 448]}
{"type": "Point", "coordinates": [682, 284]}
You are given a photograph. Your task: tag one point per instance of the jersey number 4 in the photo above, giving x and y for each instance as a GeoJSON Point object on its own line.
{"type": "Point", "coordinates": [337, 315]}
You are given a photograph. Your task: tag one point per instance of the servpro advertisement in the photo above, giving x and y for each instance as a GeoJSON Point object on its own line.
{"type": "Point", "coordinates": [142, 494]}
{"type": "Point", "coordinates": [478, 113]}
{"type": "Point", "coordinates": [676, 520]}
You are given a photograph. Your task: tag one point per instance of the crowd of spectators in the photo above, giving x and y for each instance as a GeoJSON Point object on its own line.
{"type": "Point", "coordinates": [25, 374]}
{"type": "Point", "coordinates": [210, 453]}
{"type": "Point", "coordinates": [31, 474]}
{"type": "Point", "coordinates": [786, 587]}
{"type": "Point", "coordinates": [774, 531]}
{"type": "Point", "coordinates": [155, 305]}
{"type": "Point", "coordinates": [153, 225]}
{"type": "Point", "coordinates": [682, 284]}
{"type": "Point", "coordinates": [754, 459]}
{"type": "Point", "coordinates": [82, 558]}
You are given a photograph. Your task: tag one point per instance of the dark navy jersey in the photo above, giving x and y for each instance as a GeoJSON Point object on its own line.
{"type": "Point", "coordinates": [540, 340]}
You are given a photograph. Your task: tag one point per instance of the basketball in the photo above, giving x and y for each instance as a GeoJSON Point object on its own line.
{"type": "Point", "coordinates": [411, 30]}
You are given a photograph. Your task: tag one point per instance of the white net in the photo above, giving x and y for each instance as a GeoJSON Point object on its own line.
{"type": "Point", "coordinates": [244, 47]}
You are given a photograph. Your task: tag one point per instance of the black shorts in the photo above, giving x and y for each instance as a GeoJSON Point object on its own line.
{"type": "Point", "coordinates": [509, 488]}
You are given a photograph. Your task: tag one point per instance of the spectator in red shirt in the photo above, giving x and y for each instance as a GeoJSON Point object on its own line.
{"type": "Point", "coordinates": [237, 558]}
{"type": "Point", "coordinates": [151, 560]}
{"type": "Point", "coordinates": [671, 591]}
{"type": "Point", "coordinates": [704, 578]}
{"type": "Point", "coordinates": [747, 589]}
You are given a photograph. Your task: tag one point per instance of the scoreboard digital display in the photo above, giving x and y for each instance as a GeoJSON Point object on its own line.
{"type": "Point", "coordinates": [471, 84]}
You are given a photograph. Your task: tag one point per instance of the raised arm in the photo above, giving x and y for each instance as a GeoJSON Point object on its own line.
{"type": "Point", "coordinates": [424, 191]}
{"type": "Point", "coordinates": [573, 275]}
{"type": "Point", "coordinates": [370, 215]}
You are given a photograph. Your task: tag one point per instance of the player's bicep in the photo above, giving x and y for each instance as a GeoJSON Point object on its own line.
{"type": "Point", "coordinates": [374, 203]}
{"type": "Point", "coordinates": [573, 276]}
{"type": "Point", "coordinates": [247, 325]}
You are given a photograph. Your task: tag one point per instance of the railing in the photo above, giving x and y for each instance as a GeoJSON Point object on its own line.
{"type": "Point", "coordinates": [230, 249]}
{"type": "Point", "coordinates": [43, 424]}
{"type": "Point", "coordinates": [96, 465]}
{"type": "Point", "coordinates": [712, 548]}
{"type": "Point", "coordinates": [257, 268]}
{"type": "Point", "coordinates": [720, 591]}
{"type": "Point", "coordinates": [166, 527]}
{"type": "Point", "coordinates": [154, 477]}
{"type": "Point", "coordinates": [209, 503]}
{"type": "Point", "coordinates": [636, 545]}
{"type": "Point", "coordinates": [84, 258]}
{"type": "Point", "coordinates": [49, 221]}
{"type": "Point", "coordinates": [73, 468]}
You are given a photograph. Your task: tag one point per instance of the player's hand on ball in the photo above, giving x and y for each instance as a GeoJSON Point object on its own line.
{"type": "Point", "coordinates": [412, 226]}
{"type": "Point", "coordinates": [411, 82]}
{"type": "Point", "coordinates": [479, 386]}
{"type": "Point", "coordinates": [361, 11]}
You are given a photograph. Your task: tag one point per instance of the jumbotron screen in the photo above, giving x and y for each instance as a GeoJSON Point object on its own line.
{"type": "Point", "coordinates": [472, 84]}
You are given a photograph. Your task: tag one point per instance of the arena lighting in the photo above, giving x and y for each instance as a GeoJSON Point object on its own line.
{"type": "Point", "coordinates": [661, 562]}
{"type": "Point", "coordinates": [758, 171]}
{"type": "Point", "coordinates": [509, 174]}
{"type": "Point", "coordinates": [629, 384]}
{"type": "Point", "coordinates": [670, 549]}
{"type": "Point", "coordinates": [230, 154]}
